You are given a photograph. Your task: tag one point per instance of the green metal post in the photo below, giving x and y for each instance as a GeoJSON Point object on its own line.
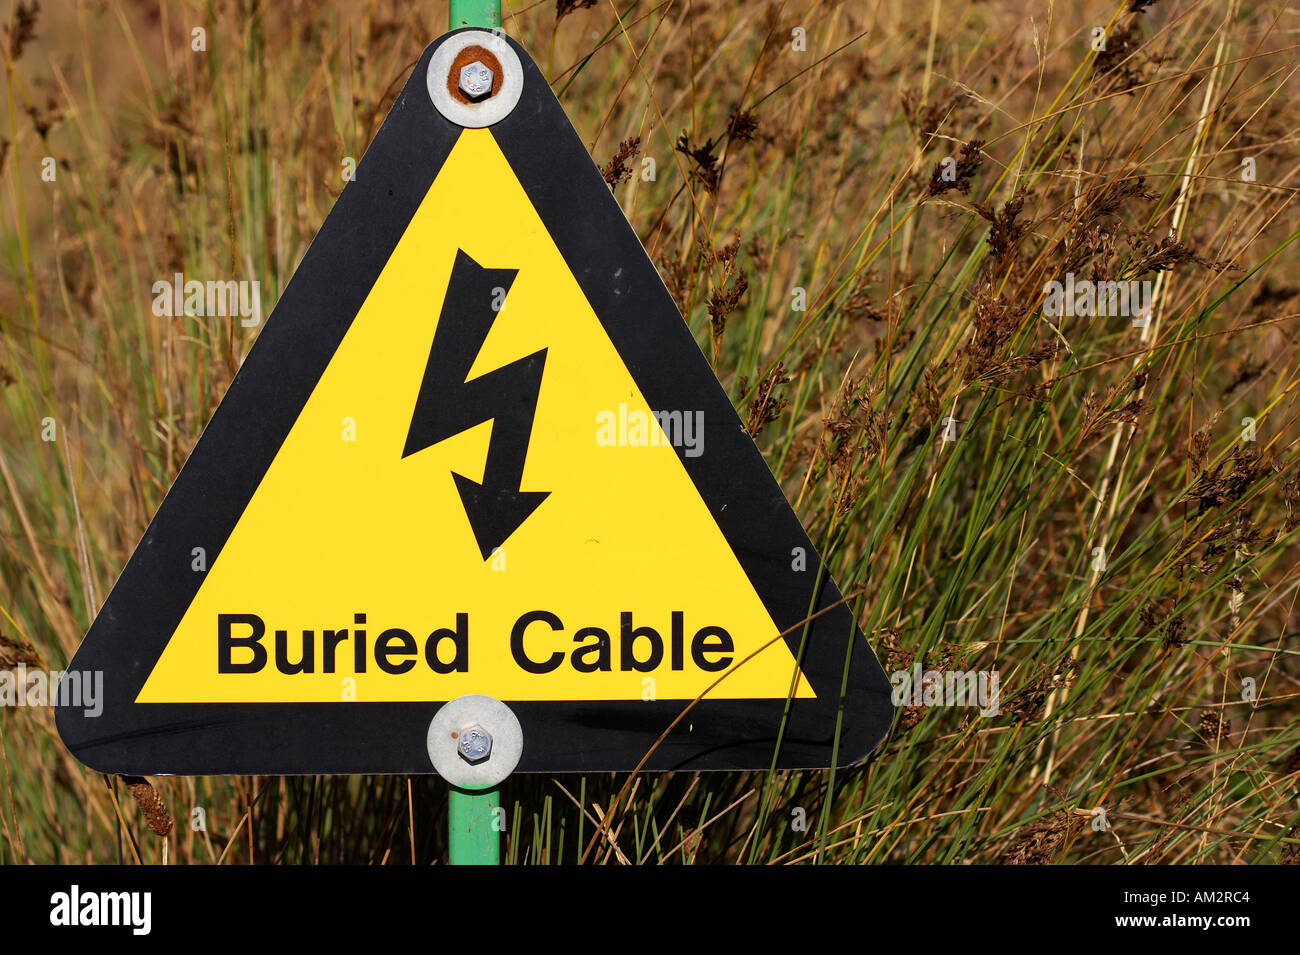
{"type": "Point", "coordinates": [472, 840]}
{"type": "Point", "coordinates": [475, 13]}
{"type": "Point", "coordinates": [470, 813]}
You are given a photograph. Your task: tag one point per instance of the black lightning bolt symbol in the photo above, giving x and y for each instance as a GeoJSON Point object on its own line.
{"type": "Point", "coordinates": [449, 403]}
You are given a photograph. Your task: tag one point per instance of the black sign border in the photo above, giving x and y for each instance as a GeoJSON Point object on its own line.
{"type": "Point", "coordinates": [270, 390]}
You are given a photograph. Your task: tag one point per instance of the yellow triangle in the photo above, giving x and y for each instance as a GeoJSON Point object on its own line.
{"type": "Point", "coordinates": [342, 524]}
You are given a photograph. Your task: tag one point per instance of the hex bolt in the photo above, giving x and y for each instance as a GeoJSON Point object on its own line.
{"type": "Point", "coordinates": [476, 81]}
{"type": "Point", "coordinates": [475, 744]}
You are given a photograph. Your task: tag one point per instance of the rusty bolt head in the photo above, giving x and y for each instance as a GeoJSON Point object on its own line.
{"type": "Point", "coordinates": [476, 81]}
{"type": "Point", "coordinates": [475, 744]}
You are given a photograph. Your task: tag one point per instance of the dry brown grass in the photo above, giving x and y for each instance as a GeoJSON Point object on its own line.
{"type": "Point", "coordinates": [823, 171]}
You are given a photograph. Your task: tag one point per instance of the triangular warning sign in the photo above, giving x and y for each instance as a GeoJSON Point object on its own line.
{"type": "Point", "coordinates": [475, 451]}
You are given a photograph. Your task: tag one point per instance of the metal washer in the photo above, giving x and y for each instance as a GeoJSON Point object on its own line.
{"type": "Point", "coordinates": [494, 108]}
{"type": "Point", "coordinates": [495, 717]}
